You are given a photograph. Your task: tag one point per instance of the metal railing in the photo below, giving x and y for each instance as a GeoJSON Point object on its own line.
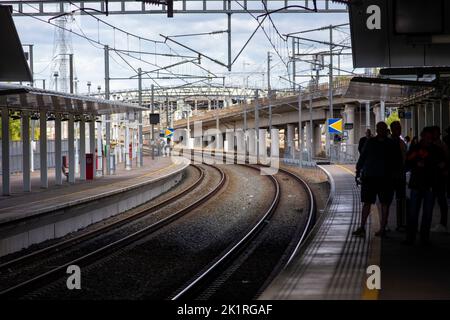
{"type": "Point", "coordinates": [339, 86]}
{"type": "Point", "coordinates": [307, 160]}
{"type": "Point", "coordinates": [15, 155]}
{"type": "Point", "coordinates": [344, 153]}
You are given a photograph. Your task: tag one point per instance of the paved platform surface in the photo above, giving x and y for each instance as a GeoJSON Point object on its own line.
{"type": "Point", "coordinates": [333, 265]}
{"type": "Point", "coordinates": [20, 204]}
{"type": "Point", "coordinates": [414, 272]}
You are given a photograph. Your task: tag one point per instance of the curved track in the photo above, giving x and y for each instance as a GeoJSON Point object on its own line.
{"type": "Point", "coordinates": [110, 226]}
{"type": "Point", "coordinates": [209, 279]}
{"type": "Point", "coordinates": [56, 272]}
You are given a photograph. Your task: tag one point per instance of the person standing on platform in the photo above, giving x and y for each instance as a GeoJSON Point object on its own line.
{"type": "Point", "coordinates": [376, 165]}
{"type": "Point", "coordinates": [440, 188]}
{"type": "Point", "coordinates": [408, 142]}
{"type": "Point", "coordinates": [446, 140]}
{"type": "Point", "coordinates": [363, 140]}
{"type": "Point", "coordinates": [425, 161]}
{"type": "Point", "coordinates": [400, 176]}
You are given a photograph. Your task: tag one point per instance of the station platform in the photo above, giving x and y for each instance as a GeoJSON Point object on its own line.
{"type": "Point", "coordinates": [333, 263]}
{"type": "Point", "coordinates": [44, 214]}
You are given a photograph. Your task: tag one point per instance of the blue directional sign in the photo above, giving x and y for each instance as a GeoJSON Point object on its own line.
{"type": "Point", "coordinates": [335, 125]}
{"type": "Point", "coordinates": [168, 132]}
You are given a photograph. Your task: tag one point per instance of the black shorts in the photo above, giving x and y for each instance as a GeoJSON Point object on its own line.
{"type": "Point", "coordinates": [374, 186]}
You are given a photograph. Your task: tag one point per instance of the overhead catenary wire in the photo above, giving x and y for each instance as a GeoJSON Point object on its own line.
{"type": "Point", "coordinates": [95, 43]}
{"type": "Point", "coordinates": [271, 32]}
{"type": "Point", "coordinates": [113, 26]}
{"type": "Point", "coordinates": [262, 28]}
{"type": "Point", "coordinates": [136, 36]}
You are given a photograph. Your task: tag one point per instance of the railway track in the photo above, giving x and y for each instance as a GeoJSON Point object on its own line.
{"type": "Point", "coordinates": [54, 273]}
{"type": "Point", "coordinates": [85, 236]}
{"type": "Point", "coordinates": [218, 276]}
{"type": "Point", "coordinates": [205, 284]}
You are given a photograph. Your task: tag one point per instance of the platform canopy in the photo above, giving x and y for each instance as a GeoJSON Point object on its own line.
{"type": "Point", "coordinates": [25, 98]}
{"type": "Point", "coordinates": [389, 90]}
{"type": "Point", "coordinates": [13, 64]}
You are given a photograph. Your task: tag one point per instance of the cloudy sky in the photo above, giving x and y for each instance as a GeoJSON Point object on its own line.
{"type": "Point", "coordinates": [249, 68]}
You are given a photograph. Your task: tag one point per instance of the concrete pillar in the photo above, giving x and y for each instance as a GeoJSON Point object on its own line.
{"type": "Point", "coordinates": [33, 145]}
{"type": "Point", "coordinates": [71, 142]}
{"type": "Point", "coordinates": [43, 148]}
{"type": "Point", "coordinates": [421, 120]}
{"type": "Point", "coordinates": [301, 135]}
{"type": "Point", "coordinates": [414, 119]}
{"type": "Point", "coordinates": [77, 148]}
{"type": "Point", "coordinates": [92, 141]}
{"type": "Point", "coordinates": [108, 144]}
{"type": "Point", "coordinates": [262, 144]}
{"type": "Point", "coordinates": [218, 142]}
{"type": "Point", "coordinates": [275, 143]}
{"type": "Point", "coordinates": [309, 138]}
{"type": "Point", "coordinates": [445, 114]}
{"type": "Point", "coordinates": [290, 140]}
{"type": "Point", "coordinates": [317, 140]}
{"type": "Point", "coordinates": [376, 111]}
{"type": "Point", "coordinates": [100, 145]}
{"type": "Point", "coordinates": [240, 146]}
{"type": "Point", "coordinates": [382, 110]}
{"type": "Point", "coordinates": [209, 105]}
{"type": "Point", "coordinates": [5, 151]}
{"type": "Point", "coordinates": [127, 147]}
{"type": "Point", "coordinates": [285, 146]}
{"type": "Point", "coordinates": [408, 131]}
{"type": "Point", "coordinates": [437, 114]}
{"type": "Point", "coordinates": [251, 136]}
{"type": "Point", "coordinates": [26, 163]}
{"type": "Point", "coordinates": [58, 150]}
{"type": "Point", "coordinates": [82, 151]}
{"type": "Point", "coordinates": [429, 113]}
{"type": "Point", "coordinates": [229, 145]}
{"type": "Point", "coordinates": [367, 115]}
{"type": "Point", "coordinates": [140, 142]}
{"type": "Point", "coordinates": [349, 112]}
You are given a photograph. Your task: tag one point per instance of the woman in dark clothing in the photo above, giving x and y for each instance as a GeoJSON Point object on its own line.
{"type": "Point", "coordinates": [423, 160]}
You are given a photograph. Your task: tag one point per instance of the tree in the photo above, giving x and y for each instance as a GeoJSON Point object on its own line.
{"type": "Point", "coordinates": [15, 130]}
{"type": "Point", "coordinates": [392, 117]}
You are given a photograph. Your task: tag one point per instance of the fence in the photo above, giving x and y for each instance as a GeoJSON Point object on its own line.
{"type": "Point", "coordinates": [307, 160]}
{"type": "Point", "coordinates": [15, 154]}
{"type": "Point", "coordinates": [344, 153]}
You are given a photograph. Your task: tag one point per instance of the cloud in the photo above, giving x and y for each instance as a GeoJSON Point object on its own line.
{"type": "Point", "coordinates": [89, 61]}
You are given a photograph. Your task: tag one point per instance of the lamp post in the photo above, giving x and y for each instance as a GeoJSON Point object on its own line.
{"type": "Point", "coordinates": [56, 75]}
{"type": "Point", "coordinates": [75, 82]}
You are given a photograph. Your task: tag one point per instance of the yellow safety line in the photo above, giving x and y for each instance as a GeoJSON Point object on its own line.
{"type": "Point", "coordinates": [374, 254]}
{"type": "Point", "coordinates": [57, 197]}
{"type": "Point", "coordinates": [374, 247]}
{"type": "Point", "coordinates": [346, 169]}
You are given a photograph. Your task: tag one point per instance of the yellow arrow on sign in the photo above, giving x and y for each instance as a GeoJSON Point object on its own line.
{"type": "Point", "coordinates": [337, 125]}
{"type": "Point", "coordinates": [168, 132]}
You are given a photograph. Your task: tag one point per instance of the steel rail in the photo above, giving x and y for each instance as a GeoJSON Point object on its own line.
{"type": "Point", "coordinates": [230, 255]}
{"type": "Point", "coordinates": [225, 258]}
{"type": "Point", "coordinates": [42, 279]}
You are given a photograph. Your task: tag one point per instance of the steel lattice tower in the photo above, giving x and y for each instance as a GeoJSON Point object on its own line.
{"type": "Point", "coordinates": [62, 47]}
